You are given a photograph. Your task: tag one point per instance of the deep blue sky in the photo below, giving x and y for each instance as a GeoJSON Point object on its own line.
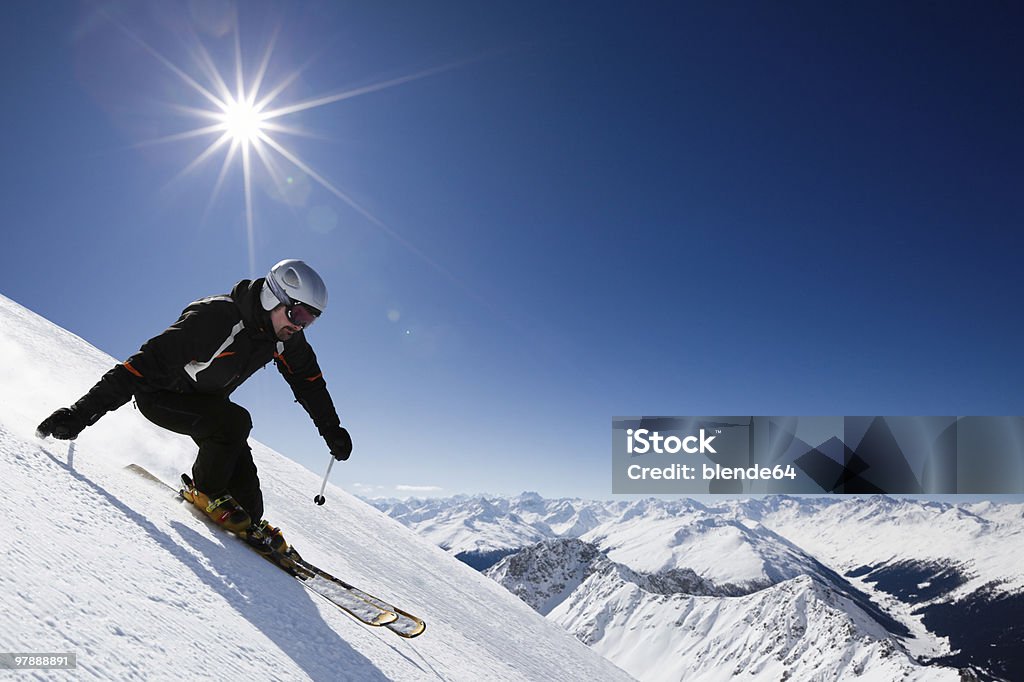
{"type": "Point", "coordinates": [600, 209]}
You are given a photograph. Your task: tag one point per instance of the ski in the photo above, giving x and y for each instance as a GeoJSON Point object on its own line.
{"type": "Point", "coordinates": [362, 606]}
{"type": "Point", "coordinates": [360, 609]}
{"type": "Point", "coordinates": [406, 625]}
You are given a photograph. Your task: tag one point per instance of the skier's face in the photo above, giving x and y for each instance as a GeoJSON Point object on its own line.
{"type": "Point", "coordinates": [283, 327]}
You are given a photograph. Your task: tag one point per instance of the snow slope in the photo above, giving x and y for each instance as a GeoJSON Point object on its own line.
{"type": "Point", "coordinates": [795, 630]}
{"type": "Point", "coordinates": [112, 567]}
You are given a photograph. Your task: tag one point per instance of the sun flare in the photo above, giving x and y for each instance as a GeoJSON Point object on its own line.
{"type": "Point", "coordinates": [243, 122]}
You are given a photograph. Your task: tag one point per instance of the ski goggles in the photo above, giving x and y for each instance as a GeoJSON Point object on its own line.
{"type": "Point", "coordinates": [301, 314]}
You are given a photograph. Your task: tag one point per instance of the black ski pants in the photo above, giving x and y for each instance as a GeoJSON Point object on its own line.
{"type": "Point", "coordinates": [221, 430]}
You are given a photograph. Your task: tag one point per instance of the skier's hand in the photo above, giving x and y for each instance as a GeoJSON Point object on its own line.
{"type": "Point", "coordinates": [339, 442]}
{"type": "Point", "coordinates": [64, 424]}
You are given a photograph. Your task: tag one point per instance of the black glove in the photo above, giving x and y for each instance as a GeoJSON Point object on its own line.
{"type": "Point", "coordinates": [338, 440]}
{"type": "Point", "coordinates": [64, 424]}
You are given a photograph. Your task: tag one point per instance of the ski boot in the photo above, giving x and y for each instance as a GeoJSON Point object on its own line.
{"type": "Point", "coordinates": [266, 538]}
{"type": "Point", "coordinates": [268, 541]}
{"type": "Point", "coordinates": [224, 511]}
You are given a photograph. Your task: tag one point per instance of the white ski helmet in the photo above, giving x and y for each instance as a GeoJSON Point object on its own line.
{"type": "Point", "coordinates": [292, 281]}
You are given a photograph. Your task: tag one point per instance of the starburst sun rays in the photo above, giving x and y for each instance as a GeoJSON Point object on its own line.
{"type": "Point", "coordinates": [245, 123]}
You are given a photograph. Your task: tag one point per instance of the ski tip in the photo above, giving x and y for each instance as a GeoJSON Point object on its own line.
{"type": "Point", "coordinates": [408, 625]}
{"type": "Point", "coordinates": [416, 631]}
{"type": "Point", "coordinates": [136, 469]}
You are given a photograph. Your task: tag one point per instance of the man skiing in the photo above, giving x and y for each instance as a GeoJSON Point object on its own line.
{"type": "Point", "coordinates": [182, 380]}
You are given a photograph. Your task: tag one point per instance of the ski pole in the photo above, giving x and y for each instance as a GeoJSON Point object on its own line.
{"type": "Point", "coordinates": [320, 499]}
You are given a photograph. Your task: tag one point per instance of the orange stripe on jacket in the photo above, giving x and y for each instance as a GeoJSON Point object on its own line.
{"type": "Point", "coordinates": [316, 377]}
{"type": "Point", "coordinates": [128, 366]}
{"type": "Point", "coordinates": [284, 362]}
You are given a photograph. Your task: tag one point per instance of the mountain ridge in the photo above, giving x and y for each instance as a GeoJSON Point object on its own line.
{"type": "Point", "coordinates": [911, 565]}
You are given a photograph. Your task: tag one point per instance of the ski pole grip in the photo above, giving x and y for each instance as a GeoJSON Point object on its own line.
{"type": "Point", "coordinates": [320, 499]}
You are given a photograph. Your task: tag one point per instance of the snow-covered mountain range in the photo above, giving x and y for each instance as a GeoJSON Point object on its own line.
{"type": "Point", "coordinates": [784, 587]}
{"type": "Point", "coordinates": [109, 566]}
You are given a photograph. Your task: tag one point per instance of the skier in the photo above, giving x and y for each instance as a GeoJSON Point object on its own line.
{"type": "Point", "coordinates": [182, 380]}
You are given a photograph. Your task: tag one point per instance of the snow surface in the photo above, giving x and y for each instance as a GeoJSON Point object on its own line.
{"type": "Point", "coordinates": [796, 630]}
{"type": "Point", "coordinates": [110, 566]}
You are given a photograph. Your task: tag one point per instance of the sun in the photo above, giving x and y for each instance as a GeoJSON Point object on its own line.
{"type": "Point", "coordinates": [243, 122]}
{"type": "Point", "coordinates": [244, 119]}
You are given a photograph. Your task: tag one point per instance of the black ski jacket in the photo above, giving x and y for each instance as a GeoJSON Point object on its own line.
{"type": "Point", "coordinates": [216, 344]}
